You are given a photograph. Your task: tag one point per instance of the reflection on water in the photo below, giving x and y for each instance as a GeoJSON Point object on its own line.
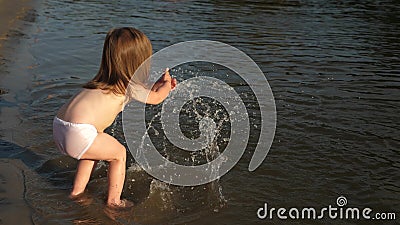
{"type": "Point", "coordinates": [333, 67]}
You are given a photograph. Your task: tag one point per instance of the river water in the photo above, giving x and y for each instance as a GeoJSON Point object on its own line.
{"type": "Point", "coordinates": [333, 67]}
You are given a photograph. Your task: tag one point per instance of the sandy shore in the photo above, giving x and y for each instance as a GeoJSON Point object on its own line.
{"type": "Point", "coordinates": [14, 58]}
{"type": "Point", "coordinates": [10, 12]}
{"type": "Point", "coordinates": [13, 208]}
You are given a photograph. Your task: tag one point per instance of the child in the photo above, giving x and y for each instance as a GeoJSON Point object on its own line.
{"type": "Point", "coordinates": [79, 124]}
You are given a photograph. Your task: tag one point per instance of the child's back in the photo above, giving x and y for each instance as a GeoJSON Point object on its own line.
{"type": "Point", "coordinates": [92, 106]}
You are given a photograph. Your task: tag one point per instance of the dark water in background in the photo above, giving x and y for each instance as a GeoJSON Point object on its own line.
{"type": "Point", "coordinates": [333, 67]}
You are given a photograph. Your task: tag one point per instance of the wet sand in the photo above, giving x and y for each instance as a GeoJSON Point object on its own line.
{"type": "Point", "coordinates": [10, 13]}
{"type": "Point", "coordinates": [15, 77]}
{"type": "Point", "coordinates": [13, 206]}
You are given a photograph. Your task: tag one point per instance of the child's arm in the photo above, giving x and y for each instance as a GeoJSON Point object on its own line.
{"type": "Point", "coordinates": [156, 95]}
{"type": "Point", "coordinates": [161, 81]}
{"type": "Point", "coordinates": [161, 89]}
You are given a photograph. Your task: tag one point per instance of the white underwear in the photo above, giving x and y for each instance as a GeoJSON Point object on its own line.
{"type": "Point", "coordinates": [73, 139]}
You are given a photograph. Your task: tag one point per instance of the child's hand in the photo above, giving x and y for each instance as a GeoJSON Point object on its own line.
{"type": "Point", "coordinates": [161, 88]}
{"type": "Point", "coordinates": [166, 76]}
{"type": "Point", "coordinates": [174, 82]}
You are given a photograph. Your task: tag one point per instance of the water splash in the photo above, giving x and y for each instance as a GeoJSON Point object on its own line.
{"type": "Point", "coordinates": [198, 116]}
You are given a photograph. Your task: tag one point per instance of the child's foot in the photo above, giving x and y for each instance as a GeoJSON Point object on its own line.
{"type": "Point", "coordinates": [82, 198]}
{"type": "Point", "coordinates": [75, 196]}
{"type": "Point", "coordinates": [123, 204]}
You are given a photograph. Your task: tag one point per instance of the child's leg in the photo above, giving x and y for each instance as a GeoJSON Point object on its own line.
{"type": "Point", "coordinates": [83, 172]}
{"type": "Point", "coordinates": [105, 147]}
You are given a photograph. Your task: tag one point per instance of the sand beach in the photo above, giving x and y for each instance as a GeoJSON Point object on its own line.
{"type": "Point", "coordinates": [13, 172]}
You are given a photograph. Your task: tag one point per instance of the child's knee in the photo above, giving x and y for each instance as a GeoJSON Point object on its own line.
{"type": "Point", "coordinates": [121, 155]}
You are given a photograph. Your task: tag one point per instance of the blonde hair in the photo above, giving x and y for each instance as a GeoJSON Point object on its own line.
{"type": "Point", "coordinates": [124, 50]}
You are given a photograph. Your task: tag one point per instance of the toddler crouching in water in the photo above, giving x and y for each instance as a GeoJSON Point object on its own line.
{"type": "Point", "coordinates": [78, 128]}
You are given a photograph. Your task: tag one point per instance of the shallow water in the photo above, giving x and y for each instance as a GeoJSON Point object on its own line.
{"type": "Point", "coordinates": [333, 67]}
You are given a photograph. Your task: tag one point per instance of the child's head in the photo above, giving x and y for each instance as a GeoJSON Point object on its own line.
{"type": "Point", "coordinates": [125, 49]}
